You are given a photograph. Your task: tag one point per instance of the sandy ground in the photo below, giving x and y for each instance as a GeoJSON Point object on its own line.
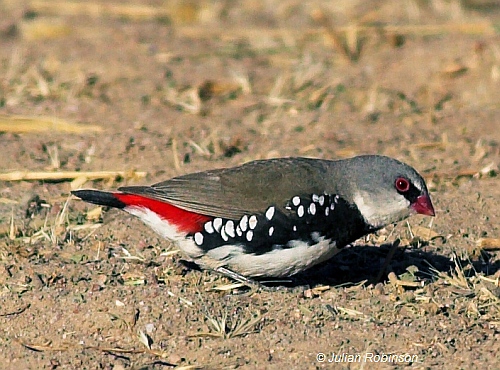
{"type": "Point", "coordinates": [182, 86]}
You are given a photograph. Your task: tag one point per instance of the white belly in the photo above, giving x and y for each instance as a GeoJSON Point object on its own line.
{"type": "Point", "coordinates": [298, 257]}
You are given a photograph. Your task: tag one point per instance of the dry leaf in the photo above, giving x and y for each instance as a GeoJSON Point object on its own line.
{"type": "Point", "coordinates": [143, 338]}
{"type": "Point", "coordinates": [94, 214]}
{"type": "Point", "coordinates": [454, 69]}
{"type": "Point", "coordinates": [488, 244]}
{"type": "Point", "coordinates": [424, 233]}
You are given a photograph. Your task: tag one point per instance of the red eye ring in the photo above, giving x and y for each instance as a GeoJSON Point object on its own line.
{"type": "Point", "coordinates": [402, 184]}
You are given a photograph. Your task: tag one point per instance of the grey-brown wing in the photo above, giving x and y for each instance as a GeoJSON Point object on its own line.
{"type": "Point", "coordinates": [234, 192]}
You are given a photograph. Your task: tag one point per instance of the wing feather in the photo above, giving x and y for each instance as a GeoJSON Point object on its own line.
{"type": "Point", "coordinates": [247, 189]}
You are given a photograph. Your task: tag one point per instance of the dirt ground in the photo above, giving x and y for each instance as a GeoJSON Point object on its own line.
{"type": "Point", "coordinates": [171, 87]}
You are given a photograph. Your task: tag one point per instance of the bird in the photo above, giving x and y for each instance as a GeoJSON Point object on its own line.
{"type": "Point", "coordinates": [274, 217]}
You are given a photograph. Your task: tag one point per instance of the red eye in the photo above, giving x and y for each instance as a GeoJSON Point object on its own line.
{"type": "Point", "coordinates": [402, 184]}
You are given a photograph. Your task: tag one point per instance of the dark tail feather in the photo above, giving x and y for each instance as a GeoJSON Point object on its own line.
{"type": "Point", "coordinates": [101, 198]}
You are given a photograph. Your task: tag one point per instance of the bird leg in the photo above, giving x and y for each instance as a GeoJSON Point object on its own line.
{"type": "Point", "coordinates": [254, 285]}
{"type": "Point", "coordinates": [238, 277]}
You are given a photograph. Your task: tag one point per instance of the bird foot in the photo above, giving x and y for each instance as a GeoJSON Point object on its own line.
{"type": "Point", "coordinates": [254, 285]}
{"type": "Point", "coordinates": [224, 271]}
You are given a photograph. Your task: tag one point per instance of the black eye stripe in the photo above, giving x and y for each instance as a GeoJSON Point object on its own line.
{"type": "Point", "coordinates": [412, 193]}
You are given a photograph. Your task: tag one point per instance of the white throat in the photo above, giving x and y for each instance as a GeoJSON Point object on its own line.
{"type": "Point", "coordinates": [377, 214]}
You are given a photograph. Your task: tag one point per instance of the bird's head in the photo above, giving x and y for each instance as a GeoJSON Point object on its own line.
{"type": "Point", "coordinates": [386, 190]}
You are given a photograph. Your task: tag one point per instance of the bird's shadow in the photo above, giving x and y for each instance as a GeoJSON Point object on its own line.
{"type": "Point", "coordinates": [369, 264]}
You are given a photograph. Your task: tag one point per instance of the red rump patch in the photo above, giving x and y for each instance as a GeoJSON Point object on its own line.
{"type": "Point", "coordinates": [188, 222]}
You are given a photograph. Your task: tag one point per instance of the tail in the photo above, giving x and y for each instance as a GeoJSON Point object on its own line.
{"type": "Point", "coordinates": [144, 207]}
{"type": "Point", "coordinates": [102, 198]}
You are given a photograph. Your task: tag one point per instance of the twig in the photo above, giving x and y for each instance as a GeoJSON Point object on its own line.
{"type": "Point", "coordinates": [16, 312]}
{"type": "Point", "coordinates": [95, 9]}
{"type": "Point", "coordinates": [175, 154]}
{"type": "Point", "coordinates": [393, 279]}
{"type": "Point", "coordinates": [481, 28]}
{"type": "Point", "coordinates": [68, 175]}
{"type": "Point", "coordinates": [22, 124]}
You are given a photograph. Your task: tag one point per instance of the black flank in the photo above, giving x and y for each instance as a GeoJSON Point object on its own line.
{"type": "Point", "coordinates": [342, 224]}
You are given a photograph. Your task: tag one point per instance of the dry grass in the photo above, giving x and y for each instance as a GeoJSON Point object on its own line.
{"type": "Point", "coordinates": [21, 124]}
{"type": "Point", "coordinates": [222, 327]}
{"type": "Point", "coordinates": [94, 9]}
{"type": "Point", "coordinates": [77, 178]}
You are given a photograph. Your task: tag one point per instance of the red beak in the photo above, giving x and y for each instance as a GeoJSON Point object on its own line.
{"type": "Point", "coordinates": [423, 205]}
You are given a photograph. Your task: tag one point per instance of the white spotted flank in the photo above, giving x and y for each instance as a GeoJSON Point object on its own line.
{"type": "Point", "coordinates": [198, 238]}
{"type": "Point", "coordinates": [209, 228]}
{"type": "Point", "coordinates": [217, 224]}
{"type": "Point", "coordinates": [270, 213]}
{"type": "Point", "coordinates": [300, 211]}
{"type": "Point", "coordinates": [229, 228]}
{"type": "Point", "coordinates": [271, 231]}
{"type": "Point", "coordinates": [244, 223]}
{"type": "Point", "coordinates": [321, 200]}
{"type": "Point", "coordinates": [252, 222]}
{"type": "Point", "coordinates": [223, 234]}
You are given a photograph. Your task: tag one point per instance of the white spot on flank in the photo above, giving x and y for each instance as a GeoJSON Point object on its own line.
{"type": "Point", "coordinates": [229, 228]}
{"type": "Point", "coordinates": [327, 211]}
{"type": "Point", "coordinates": [315, 197]}
{"type": "Point", "coordinates": [336, 199]}
{"type": "Point", "coordinates": [244, 223]}
{"type": "Point", "coordinates": [249, 235]}
{"type": "Point", "coordinates": [296, 201]}
{"type": "Point", "coordinates": [217, 224]}
{"type": "Point", "coordinates": [321, 200]}
{"type": "Point", "coordinates": [300, 211]}
{"type": "Point", "coordinates": [238, 231]}
{"type": "Point", "coordinates": [223, 234]}
{"type": "Point", "coordinates": [252, 222]}
{"type": "Point", "coordinates": [294, 228]}
{"type": "Point", "coordinates": [332, 206]}
{"type": "Point", "coordinates": [270, 213]}
{"type": "Point", "coordinates": [209, 228]}
{"type": "Point", "coordinates": [198, 238]}
{"type": "Point", "coordinates": [312, 209]}
{"type": "Point", "coordinates": [271, 231]}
